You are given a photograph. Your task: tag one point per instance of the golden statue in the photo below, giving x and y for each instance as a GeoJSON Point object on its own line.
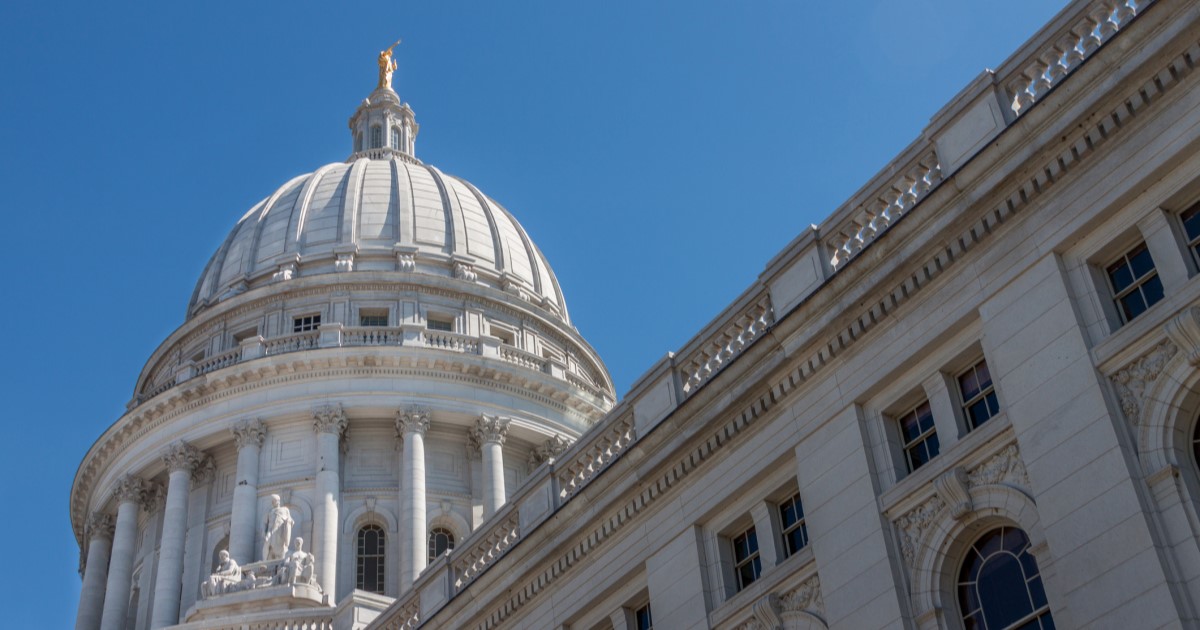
{"type": "Point", "coordinates": [387, 66]}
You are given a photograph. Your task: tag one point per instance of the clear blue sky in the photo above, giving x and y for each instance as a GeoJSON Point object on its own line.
{"type": "Point", "coordinates": [659, 153]}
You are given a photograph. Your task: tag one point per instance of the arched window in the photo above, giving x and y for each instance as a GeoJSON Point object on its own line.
{"type": "Point", "coordinates": [376, 137]}
{"type": "Point", "coordinates": [369, 562]}
{"type": "Point", "coordinates": [395, 138]}
{"type": "Point", "coordinates": [1196, 442]}
{"type": "Point", "coordinates": [999, 585]}
{"type": "Point", "coordinates": [441, 540]}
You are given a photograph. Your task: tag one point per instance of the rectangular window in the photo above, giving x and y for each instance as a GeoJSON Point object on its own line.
{"type": "Point", "coordinates": [373, 317]}
{"type": "Point", "coordinates": [395, 138]}
{"type": "Point", "coordinates": [746, 564]}
{"type": "Point", "coordinates": [1191, 229]}
{"type": "Point", "coordinates": [978, 395]}
{"type": "Point", "coordinates": [440, 324]}
{"type": "Point", "coordinates": [1135, 283]}
{"type": "Point", "coordinates": [305, 323]}
{"type": "Point", "coordinates": [376, 137]}
{"type": "Point", "coordinates": [642, 619]}
{"type": "Point", "coordinates": [920, 437]}
{"type": "Point", "coordinates": [795, 532]}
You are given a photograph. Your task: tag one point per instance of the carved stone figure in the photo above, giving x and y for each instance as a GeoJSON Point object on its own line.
{"type": "Point", "coordinates": [277, 531]}
{"type": "Point", "coordinates": [297, 566]}
{"type": "Point", "coordinates": [387, 66]}
{"type": "Point", "coordinates": [226, 578]}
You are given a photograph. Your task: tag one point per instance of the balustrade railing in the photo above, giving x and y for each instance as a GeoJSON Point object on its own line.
{"type": "Point", "coordinates": [1066, 43]}
{"type": "Point", "coordinates": [216, 362]}
{"type": "Point", "coordinates": [291, 343]}
{"type": "Point", "coordinates": [600, 450]}
{"type": "Point", "coordinates": [741, 328]}
{"type": "Point", "coordinates": [287, 620]}
{"type": "Point", "coordinates": [522, 358]}
{"type": "Point", "coordinates": [372, 336]}
{"type": "Point", "coordinates": [453, 342]}
{"type": "Point", "coordinates": [408, 616]}
{"type": "Point", "coordinates": [471, 559]}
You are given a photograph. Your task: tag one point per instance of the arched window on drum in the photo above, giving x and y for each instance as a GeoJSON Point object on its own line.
{"type": "Point", "coordinates": [369, 561]}
{"type": "Point", "coordinates": [441, 540]}
{"type": "Point", "coordinates": [1000, 586]}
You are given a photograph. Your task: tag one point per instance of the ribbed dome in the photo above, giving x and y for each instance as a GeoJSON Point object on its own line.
{"type": "Point", "coordinates": [389, 214]}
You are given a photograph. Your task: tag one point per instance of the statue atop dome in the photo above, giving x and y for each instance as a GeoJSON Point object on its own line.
{"type": "Point", "coordinates": [387, 66]}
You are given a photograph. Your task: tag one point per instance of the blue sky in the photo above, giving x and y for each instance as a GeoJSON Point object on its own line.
{"type": "Point", "coordinates": [658, 152]}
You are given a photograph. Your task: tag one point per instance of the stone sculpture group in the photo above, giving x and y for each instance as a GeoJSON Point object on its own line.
{"type": "Point", "coordinates": [281, 565]}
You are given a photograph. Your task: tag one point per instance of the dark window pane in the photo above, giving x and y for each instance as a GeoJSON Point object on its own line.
{"type": "Point", "coordinates": [1153, 290]}
{"type": "Point", "coordinates": [978, 413]}
{"type": "Point", "coordinates": [1140, 262]}
{"type": "Point", "coordinates": [911, 427]}
{"type": "Point", "coordinates": [1132, 305]}
{"type": "Point", "coordinates": [933, 445]}
{"type": "Point", "coordinates": [1121, 276]}
{"type": "Point", "coordinates": [992, 404]}
{"type": "Point", "coordinates": [968, 384]}
{"type": "Point", "coordinates": [1191, 223]}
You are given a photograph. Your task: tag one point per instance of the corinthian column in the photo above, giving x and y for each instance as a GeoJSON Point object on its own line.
{"type": "Point", "coordinates": [243, 530]}
{"type": "Point", "coordinates": [131, 494]}
{"type": "Point", "coordinates": [98, 532]}
{"type": "Point", "coordinates": [330, 423]}
{"type": "Point", "coordinates": [490, 432]}
{"type": "Point", "coordinates": [411, 425]}
{"type": "Point", "coordinates": [182, 461]}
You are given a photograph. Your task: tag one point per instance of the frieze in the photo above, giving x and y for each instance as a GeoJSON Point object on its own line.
{"type": "Point", "coordinates": [1003, 467]}
{"type": "Point", "coordinates": [804, 598]}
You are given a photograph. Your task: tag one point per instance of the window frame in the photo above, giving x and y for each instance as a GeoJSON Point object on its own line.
{"type": "Point", "coordinates": [1137, 284]}
{"type": "Point", "coordinates": [753, 558]}
{"type": "Point", "coordinates": [785, 529]}
{"type": "Point", "coordinates": [921, 440]}
{"type": "Point", "coordinates": [637, 617]}
{"type": "Point", "coordinates": [374, 314]}
{"type": "Point", "coordinates": [300, 325]}
{"type": "Point", "coordinates": [380, 557]}
{"type": "Point", "coordinates": [431, 556]}
{"type": "Point", "coordinates": [965, 404]}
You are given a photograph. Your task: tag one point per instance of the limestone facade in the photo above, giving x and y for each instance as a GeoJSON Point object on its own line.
{"type": "Point", "coordinates": [989, 288]}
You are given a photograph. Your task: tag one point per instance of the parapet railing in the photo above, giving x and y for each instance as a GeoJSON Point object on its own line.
{"type": "Point", "coordinates": [337, 335]}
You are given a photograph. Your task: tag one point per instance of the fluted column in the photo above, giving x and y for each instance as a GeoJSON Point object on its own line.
{"type": "Point", "coordinates": [182, 461]}
{"type": "Point", "coordinates": [131, 494]}
{"type": "Point", "coordinates": [243, 530]}
{"type": "Point", "coordinates": [330, 423]}
{"type": "Point", "coordinates": [411, 425]}
{"type": "Point", "coordinates": [490, 432]}
{"type": "Point", "coordinates": [98, 532]}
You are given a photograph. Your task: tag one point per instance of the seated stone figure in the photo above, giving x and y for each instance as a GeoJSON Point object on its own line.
{"type": "Point", "coordinates": [298, 566]}
{"type": "Point", "coordinates": [227, 577]}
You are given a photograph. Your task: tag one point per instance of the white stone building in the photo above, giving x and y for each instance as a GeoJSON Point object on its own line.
{"type": "Point", "coordinates": [967, 399]}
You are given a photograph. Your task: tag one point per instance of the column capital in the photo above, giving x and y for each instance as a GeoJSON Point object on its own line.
{"type": "Point", "coordinates": [548, 451]}
{"type": "Point", "coordinates": [490, 429]}
{"type": "Point", "coordinates": [99, 525]}
{"type": "Point", "coordinates": [249, 431]}
{"type": "Point", "coordinates": [180, 455]}
{"type": "Point", "coordinates": [330, 419]}
{"type": "Point", "coordinates": [133, 489]}
{"type": "Point", "coordinates": [412, 420]}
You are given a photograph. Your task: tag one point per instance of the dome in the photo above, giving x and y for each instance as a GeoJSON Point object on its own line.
{"type": "Point", "coordinates": [382, 210]}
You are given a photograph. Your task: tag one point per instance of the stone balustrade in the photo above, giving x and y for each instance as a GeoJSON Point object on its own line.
{"type": "Point", "coordinates": [275, 620]}
{"type": "Point", "coordinates": [580, 465]}
{"type": "Point", "coordinates": [723, 340]}
{"type": "Point", "coordinates": [1060, 47]}
{"type": "Point", "coordinates": [337, 335]}
{"type": "Point", "coordinates": [484, 547]}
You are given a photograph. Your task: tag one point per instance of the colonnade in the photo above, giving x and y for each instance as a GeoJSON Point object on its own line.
{"type": "Point", "coordinates": [111, 543]}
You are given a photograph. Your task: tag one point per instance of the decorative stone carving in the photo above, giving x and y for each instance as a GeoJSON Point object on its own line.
{"type": "Point", "coordinates": [156, 497]}
{"type": "Point", "coordinates": [249, 431]}
{"type": "Point", "coordinates": [766, 612]}
{"type": "Point", "coordinates": [135, 489]}
{"type": "Point", "coordinates": [277, 530]}
{"type": "Point", "coordinates": [913, 525]}
{"type": "Point", "coordinates": [285, 272]}
{"type": "Point", "coordinates": [1184, 330]}
{"type": "Point", "coordinates": [548, 451]}
{"type": "Point", "coordinates": [1134, 380]}
{"type": "Point", "coordinates": [345, 262]}
{"type": "Point", "coordinates": [463, 271]}
{"type": "Point", "coordinates": [99, 525]}
{"type": "Point", "coordinates": [412, 420]}
{"type": "Point", "coordinates": [406, 261]}
{"type": "Point", "coordinates": [952, 487]}
{"type": "Point", "coordinates": [330, 419]}
{"type": "Point", "coordinates": [225, 579]}
{"type": "Point", "coordinates": [298, 566]}
{"type": "Point", "coordinates": [804, 598]}
{"type": "Point", "coordinates": [490, 429]}
{"type": "Point", "coordinates": [180, 455]}
{"type": "Point", "coordinates": [1003, 467]}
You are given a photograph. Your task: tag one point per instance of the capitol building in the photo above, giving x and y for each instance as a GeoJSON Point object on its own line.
{"type": "Point", "coordinates": [967, 399]}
